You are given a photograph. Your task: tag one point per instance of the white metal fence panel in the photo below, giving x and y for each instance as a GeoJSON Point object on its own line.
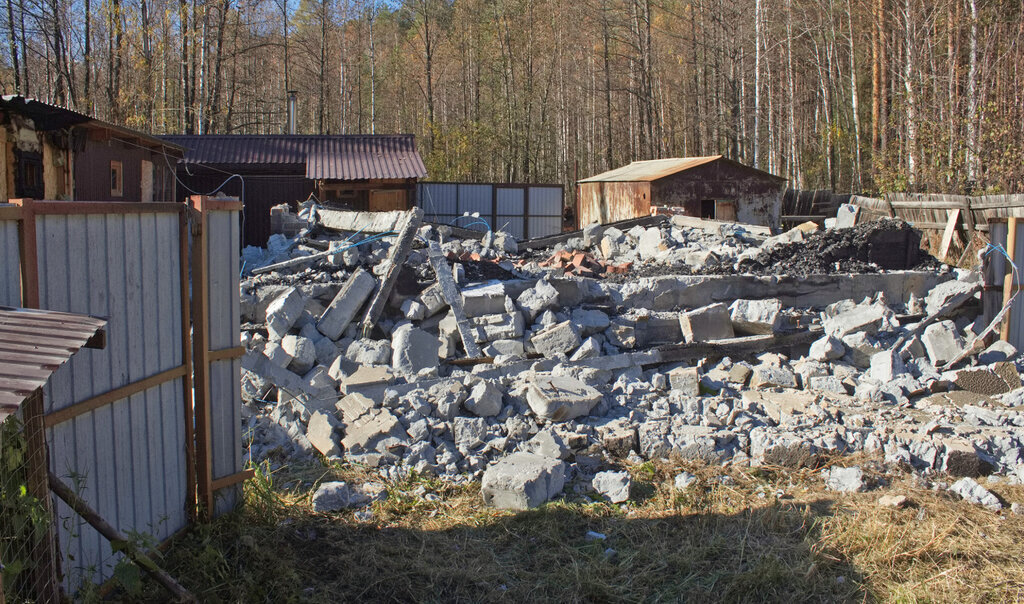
{"type": "Point", "coordinates": [526, 211]}
{"type": "Point", "coordinates": [10, 260]}
{"type": "Point", "coordinates": [126, 459]}
{"type": "Point", "coordinates": [225, 375]}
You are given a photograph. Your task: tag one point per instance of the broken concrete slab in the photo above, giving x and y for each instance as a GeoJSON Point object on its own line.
{"type": "Point", "coordinates": [370, 381]}
{"type": "Point", "coordinates": [353, 406]}
{"type": "Point", "coordinates": [375, 431]}
{"type": "Point", "coordinates": [845, 318]}
{"type": "Point", "coordinates": [522, 481]}
{"type": "Point", "coordinates": [335, 496]}
{"type": "Point", "coordinates": [484, 299]}
{"type": "Point", "coordinates": [827, 348]}
{"type": "Point", "coordinates": [711, 322]}
{"type": "Point", "coordinates": [1001, 379]}
{"type": "Point", "coordinates": [685, 380]}
{"type": "Point", "coordinates": [484, 400]}
{"type": "Point", "coordinates": [972, 492]}
{"type": "Point", "coordinates": [322, 435]}
{"type": "Point", "coordinates": [845, 480]}
{"type": "Point", "coordinates": [302, 352]}
{"type": "Point", "coordinates": [346, 304]}
{"type": "Point", "coordinates": [559, 398]}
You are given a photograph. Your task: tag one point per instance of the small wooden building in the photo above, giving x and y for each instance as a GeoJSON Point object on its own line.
{"type": "Point", "coordinates": [358, 172]}
{"type": "Point", "coordinates": [711, 187]}
{"type": "Point", "coordinates": [54, 153]}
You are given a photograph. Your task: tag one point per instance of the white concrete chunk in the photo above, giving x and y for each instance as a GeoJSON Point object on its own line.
{"type": "Point", "coordinates": [522, 481]}
{"type": "Point", "coordinates": [346, 304]}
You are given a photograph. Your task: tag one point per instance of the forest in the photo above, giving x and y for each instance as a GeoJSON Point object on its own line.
{"type": "Point", "coordinates": [848, 95]}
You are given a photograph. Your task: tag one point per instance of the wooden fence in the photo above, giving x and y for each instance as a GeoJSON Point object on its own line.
{"type": "Point", "coordinates": [929, 211]}
{"type": "Point", "coordinates": [147, 431]}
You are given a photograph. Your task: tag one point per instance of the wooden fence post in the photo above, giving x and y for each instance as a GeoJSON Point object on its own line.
{"type": "Point", "coordinates": [1008, 280]}
{"type": "Point", "coordinates": [200, 358]}
{"type": "Point", "coordinates": [44, 553]}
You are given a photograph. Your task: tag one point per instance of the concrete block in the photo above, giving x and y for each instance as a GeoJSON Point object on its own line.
{"type": "Point", "coordinates": [739, 374]}
{"type": "Point", "coordinates": [548, 444]}
{"type": "Point", "coordinates": [942, 342]}
{"type": "Point", "coordinates": [973, 492]}
{"type": "Point", "coordinates": [685, 380]}
{"type": "Point", "coordinates": [283, 312]}
{"type": "Point", "coordinates": [755, 316]}
{"type": "Point", "coordinates": [433, 300]}
{"type": "Point", "coordinates": [522, 481]}
{"type": "Point", "coordinates": [844, 318]}
{"type": "Point", "coordinates": [303, 353]}
{"type": "Point", "coordinates": [413, 349]}
{"type": "Point", "coordinates": [998, 351]}
{"type": "Point", "coordinates": [376, 431]}
{"type": "Point", "coordinates": [335, 496]}
{"type": "Point", "coordinates": [322, 435]}
{"type": "Point", "coordinates": [590, 322]}
{"type": "Point", "coordinates": [559, 398]}
{"type": "Point", "coordinates": [860, 347]}
{"type": "Point", "coordinates": [622, 333]}
{"type": "Point", "coordinates": [768, 376]}
{"type": "Point", "coordinates": [589, 349]}
{"type": "Point", "coordinates": [613, 485]}
{"type": "Point", "coordinates": [886, 366]}
{"type": "Point", "coordinates": [537, 298]}
{"type": "Point", "coordinates": [369, 352]}
{"type": "Point", "coordinates": [341, 368]}
{"type": "Point", "coordinates": [711, 322]}
{"type": "Point", "coordinates": [560, 338]}
{"type": "Point", "coordinates": [846, 216]}
{"type": "Point", "coordinates": [828, 383]}
{"type": "Point", "coordinates": [826, 349]}
{"type": "Point", "coordinates": [505, 347]}
{"type": "Point", "coordinates": [845, 480]}
{"type": "Point", "coordinates": [485, 299]}
{"type": "Point", "coordinates": [346, 304]}
{"type": "Point", "coordinates": [414, 310]}
{"type": "Point", "coordinates": [650, 243]}
{"type": "Point", "coordinates": [950, 294]}
{"type": "Point", "coordinates": [470, 433]}
{"type": "Point", "coordinates": [484, 400]}
{"type": "Point", "coordinates": [277, 354]}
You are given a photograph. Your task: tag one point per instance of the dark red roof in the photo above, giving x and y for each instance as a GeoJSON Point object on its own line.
{"type": "Point", "coordinates": [328, 157]}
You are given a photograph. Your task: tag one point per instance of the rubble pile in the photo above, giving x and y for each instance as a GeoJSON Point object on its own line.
{"type": "Point", "coordinates": [387, 351]}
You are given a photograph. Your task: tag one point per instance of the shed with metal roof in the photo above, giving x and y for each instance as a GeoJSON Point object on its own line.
{"type": "Point", "coordinates": [712, 187]}
{"type": "Point", "coordinates": [374, 172]}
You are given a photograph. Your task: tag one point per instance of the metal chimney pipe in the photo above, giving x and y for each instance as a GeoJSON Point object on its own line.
{"type": "Point", "coordinates": [292, 123]}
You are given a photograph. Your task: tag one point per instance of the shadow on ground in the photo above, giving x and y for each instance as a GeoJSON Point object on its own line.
{"type": "Point", "coordinates": [769, 553]}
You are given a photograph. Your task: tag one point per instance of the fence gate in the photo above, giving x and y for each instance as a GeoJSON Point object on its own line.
{"type": "Point", "coordinates": [122, 426]}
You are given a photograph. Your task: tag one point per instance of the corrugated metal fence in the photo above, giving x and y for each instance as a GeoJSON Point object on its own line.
{"type": "Point", "coordinates": [122, 427]}
{"type": "Point", "coordinates": [524, 210]}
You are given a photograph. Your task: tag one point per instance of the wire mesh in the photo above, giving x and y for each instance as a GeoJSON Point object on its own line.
{"type": "Point", "coordinates": [27, 555]}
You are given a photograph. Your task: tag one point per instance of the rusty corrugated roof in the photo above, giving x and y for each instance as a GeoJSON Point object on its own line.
{"type": "Point", "coordinates": [654, 169]}
{"type": "Point", "coordinates": [328, 157]}
{"type": "Point", "coordinates": [34, 343]}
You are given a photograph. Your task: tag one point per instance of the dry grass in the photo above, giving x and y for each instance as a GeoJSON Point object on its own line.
{"type": "Point", "coordinates": [763, 534]}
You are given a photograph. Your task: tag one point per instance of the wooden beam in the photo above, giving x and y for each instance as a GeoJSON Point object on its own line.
{"type": "Point", "coordinates": [225, 354]}
{"type": "Point", "coordinates": [185, 287]}
{"type": "Point", "coordinates": [201, 359]}
{"type": "Point", "coordinates": [112, 396]}
{"type": "Point", "coordinates": [949, 234]}
{"type": "Point", "coordinates": [1009, 286]}
{"type": "Point", "coordinates": [233, 479]}
{"type": "Point", "coordinates": [29, 251]}
{"type": "Point", "coordinates": [10, 213]}
{"type": "Point", "coordinates": [106, 207]}
{"type": "Point", "coordinates": [118, 542]}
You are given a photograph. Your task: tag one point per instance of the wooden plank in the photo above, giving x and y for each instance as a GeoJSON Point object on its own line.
{"type": "Point", "coordinates": [112, 396]}
{"type": "Point", "coordinates": [399, 251]}
{"type": "Point", "coordinates": [201, 360]}
{"type": "Point", "coordinates": [451, 294]}
{"type": "Point", "coordinates": [1008, 284]}
{"type": "Point", "coordinates": [226, 353]}
{"type": "Point", "coordinates": [10, 213]}
{"type": "Point", "coordinates": [79, 208]}
{"type": "Point", "coordinates": [218, 204]}
{"type": "Point", "coordinates": [233, 479]}
{"type": "Point", "coordinates": [949, 234]}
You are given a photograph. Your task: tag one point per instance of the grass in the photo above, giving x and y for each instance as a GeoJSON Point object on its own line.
{"type": "Point", "coordinates": [737, 535]}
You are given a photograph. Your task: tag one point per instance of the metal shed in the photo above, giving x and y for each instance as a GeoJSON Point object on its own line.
{"type": "Point", "coordinates": [359, 172]}
{"type": "Point", "coordinates": [713, 187]}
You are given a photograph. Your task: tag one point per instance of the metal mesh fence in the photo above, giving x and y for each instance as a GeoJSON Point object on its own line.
{"type": "Point", "coordinates": [27, 553]}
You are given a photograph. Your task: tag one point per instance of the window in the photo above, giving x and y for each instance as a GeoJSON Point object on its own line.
{"type": "Point", "coordinates": [28, 178]}
{"type": "Point", "coordinates": [116, 179]}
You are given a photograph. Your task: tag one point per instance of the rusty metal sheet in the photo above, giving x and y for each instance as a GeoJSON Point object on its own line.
{"type": "Point", "coordinates": [325, 157]}
{"type": "Point", "coordinates": [35, 344]}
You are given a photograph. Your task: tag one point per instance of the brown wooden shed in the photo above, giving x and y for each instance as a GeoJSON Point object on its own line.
{"type": "Point", "coordinates": [713, 187]}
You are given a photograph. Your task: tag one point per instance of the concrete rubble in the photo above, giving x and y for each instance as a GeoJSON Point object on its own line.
{"type": "Point", "coordinates": [684, 353]}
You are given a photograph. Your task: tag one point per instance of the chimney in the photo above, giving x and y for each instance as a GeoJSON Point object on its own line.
{"type": "Point", "coordinates": [292, 124]}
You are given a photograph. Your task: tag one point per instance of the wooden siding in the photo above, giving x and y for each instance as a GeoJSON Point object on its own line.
{"type": "Point", "coordinates": [127, 459]}
{"type": "Point", "coordinates": [92, 172]}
